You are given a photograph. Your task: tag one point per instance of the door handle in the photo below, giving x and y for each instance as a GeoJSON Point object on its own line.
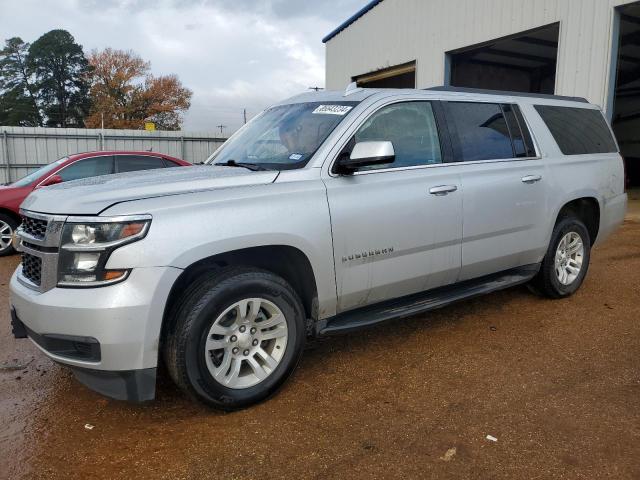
{"type": "Point", "coordinates": [442, 189]}
{"type": "Point", "coordinates": [531, 178]}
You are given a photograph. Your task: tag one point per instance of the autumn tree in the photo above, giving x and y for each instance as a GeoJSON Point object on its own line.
{"type": "Point", "coordinates": [124, 94]}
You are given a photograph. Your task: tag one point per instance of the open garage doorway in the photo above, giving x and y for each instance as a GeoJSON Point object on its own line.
{"type": "Point", "coordinates": [626, 107]}
{"type": "Point", "coordinates": [525, 62]}
{"type": "Point", "coordinates": [398, 76]}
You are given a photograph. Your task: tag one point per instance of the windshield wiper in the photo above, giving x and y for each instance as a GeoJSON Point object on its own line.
{"type": "Point", "coordinates": [250, 166]}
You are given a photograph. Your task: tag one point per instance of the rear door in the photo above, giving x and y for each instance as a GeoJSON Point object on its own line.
{"type": "Point", "coordinates": [397, 227]}
{"type": "Point", "coordinates": [505, 212]}
{"type": "Point", "coordinates": [132, 163]}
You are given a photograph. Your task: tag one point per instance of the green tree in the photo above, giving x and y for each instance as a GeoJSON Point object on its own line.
{"type": "Point", "coordinates": [61, 74]}
{"type": "Point", "coordinates": [18, 97]}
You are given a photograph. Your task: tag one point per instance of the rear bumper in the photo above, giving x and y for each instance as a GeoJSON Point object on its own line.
{"type": "Point", "coordinates": [612, 215]}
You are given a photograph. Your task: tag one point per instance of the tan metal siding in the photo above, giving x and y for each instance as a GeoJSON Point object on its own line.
{"type": "Point", "coordinates": [399, 31]}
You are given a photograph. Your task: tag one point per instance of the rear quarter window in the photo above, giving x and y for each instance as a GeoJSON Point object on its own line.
{"type": "Point", "coordinates": [578, 131]}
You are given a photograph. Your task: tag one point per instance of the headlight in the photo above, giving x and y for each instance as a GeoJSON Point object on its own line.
{"type": "Point", "coordinates": [87, 243]}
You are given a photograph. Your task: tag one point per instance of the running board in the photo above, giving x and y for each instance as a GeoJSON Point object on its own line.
{"type": "Point", "coordinates": [424, 301]}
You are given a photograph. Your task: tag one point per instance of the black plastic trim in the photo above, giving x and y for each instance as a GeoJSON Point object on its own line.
{"type": "Point", "coordinates": [86, 349]}
{"type": "Point", "coordinates": [17, 327]}
{"type": "Point", "coordinates": [127, 385]}
{"type": "Point", "coordinates": [425, 301]}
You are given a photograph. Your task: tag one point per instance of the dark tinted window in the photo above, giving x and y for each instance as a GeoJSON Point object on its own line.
{"type": "Point", "coordinates": [578, 130]}
{"type": "Point", "coordinates": [522, 144]}
{"type": "Point", "coordinates": [131, 163]}
{"type": "Point", "coordinates": [481, 130]}
{"type": "Point", "coordinates": [519, 148]}
{"type": "Point", "coordinates": [169, 163]}
{"type": "Point", "coordinates": [410, 127]}
{"type": "Point", "coordinates": [526, 134]}
{"type": "Point", "coordinates": [89, 167]}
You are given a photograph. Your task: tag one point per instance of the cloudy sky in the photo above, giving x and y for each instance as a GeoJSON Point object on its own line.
{"type": "Point", "coordinates": [233, 54]}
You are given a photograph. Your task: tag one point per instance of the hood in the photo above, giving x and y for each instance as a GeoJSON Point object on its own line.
{"type": "Point", "coordinates": [92, 195]}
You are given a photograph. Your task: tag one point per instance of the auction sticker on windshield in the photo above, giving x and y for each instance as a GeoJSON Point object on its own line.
{"type": "Point", "coordinates": [332, 109]}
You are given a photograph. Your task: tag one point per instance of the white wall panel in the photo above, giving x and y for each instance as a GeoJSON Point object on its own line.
{"type": "Point", "coordinates": [399, 31]}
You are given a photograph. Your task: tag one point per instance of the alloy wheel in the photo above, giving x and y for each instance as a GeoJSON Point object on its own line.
{"type": "Point", "coordinates": [246, 343]}
{"type": "Point", "coordinates": [568, 258]}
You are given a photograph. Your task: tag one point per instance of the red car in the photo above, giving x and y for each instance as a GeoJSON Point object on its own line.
{"type": "Point", "coordinates": [73, 167]}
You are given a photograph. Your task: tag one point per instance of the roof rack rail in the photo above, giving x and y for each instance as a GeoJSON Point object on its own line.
{"type": "Point", "coordinates": [505, 92]}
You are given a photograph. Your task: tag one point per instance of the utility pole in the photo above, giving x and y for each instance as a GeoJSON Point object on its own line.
{"type": "Point", "coordinates": [244, 115]}
{"type": "Point", "coordinates": [221, 127]}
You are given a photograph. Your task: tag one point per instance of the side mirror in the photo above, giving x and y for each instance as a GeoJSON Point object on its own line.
{"type": "Point", "coordinates": [52, 180]}
{"type": "Point", "coordinates": [365, 154]}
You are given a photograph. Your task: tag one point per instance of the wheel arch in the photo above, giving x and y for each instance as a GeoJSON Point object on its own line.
{"type": "Point", "coordinates": [11, 213]}
{"type": "Point", "coordinates": [587, 209]}
{"type": "Point", "coordinates": [285, 261]}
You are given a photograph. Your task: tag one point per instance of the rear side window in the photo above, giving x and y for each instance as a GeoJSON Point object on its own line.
{"type": "Point", "coordinates": [578, 131]}
{"type": "Point", "coordinates": [169, 163]}
{"type": "Point", "coordinates": [481, 130]}
{"type": "Point", "coordinates": [132, 163]}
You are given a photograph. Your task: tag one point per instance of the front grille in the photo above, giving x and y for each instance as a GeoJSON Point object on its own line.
{"type": "Point", "coordinates": [34, 227]}
{"type": "Point", "coordinates": [32, 268]}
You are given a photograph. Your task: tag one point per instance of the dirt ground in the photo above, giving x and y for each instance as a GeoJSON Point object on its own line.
{"type": "Point", "coordinates": [556, 382]}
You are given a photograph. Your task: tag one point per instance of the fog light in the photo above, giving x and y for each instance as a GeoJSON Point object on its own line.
{"type": "Point", "coordinates": [86, 262]}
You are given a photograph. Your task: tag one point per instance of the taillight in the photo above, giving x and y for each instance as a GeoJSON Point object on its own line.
{"type": "Point", "coordinates": [624, 173]}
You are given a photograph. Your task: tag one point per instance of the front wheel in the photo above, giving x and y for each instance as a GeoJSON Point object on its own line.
{"type": "Point", "coordinates": [566, 262]}
{"type": "Point", "coordinates": [236, 338]}
{"type": "Point", "coordinates": [8, 226]}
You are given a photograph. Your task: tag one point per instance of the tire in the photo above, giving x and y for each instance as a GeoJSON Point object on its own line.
{"type": "Point", "coordinates": [558, 282]}
{"type": "Point", "coordinates": [216, 354]}
{"type": "Point", "coordinates": [8, 226]}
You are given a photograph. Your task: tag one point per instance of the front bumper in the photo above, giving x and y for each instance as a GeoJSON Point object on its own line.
{"type": "Point", "coordinates": [116, 327]}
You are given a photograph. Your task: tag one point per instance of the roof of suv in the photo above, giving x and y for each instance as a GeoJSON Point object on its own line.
{"type": "Point", "coordinates": [357, 94]}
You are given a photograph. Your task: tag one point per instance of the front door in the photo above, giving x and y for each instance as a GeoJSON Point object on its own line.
{"type": "Point", "coordinates": [397, 228]}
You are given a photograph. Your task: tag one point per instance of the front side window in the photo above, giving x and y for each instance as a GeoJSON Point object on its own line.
{"type": "Point", "coordinates": [88, 167]}
{"type": "Point", "coordinates": [133, 163]}
{"type": "Point", "coordinates": [410, 127]}
{"type": "Point", "coordinates": [578, 131]}
{"type": "Point", "coordinates": [283, 137]}
{"type": "Point", "coordinates": [482, 131]}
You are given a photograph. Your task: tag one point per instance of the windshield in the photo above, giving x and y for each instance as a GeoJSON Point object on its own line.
{"type": "Point", "coordinates": [283, 137]}
{"type": "Point", "coordinates": [33, 176]}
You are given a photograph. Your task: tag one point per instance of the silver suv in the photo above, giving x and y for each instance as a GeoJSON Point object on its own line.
{"type": "Point", "coordinates": [328, 212]}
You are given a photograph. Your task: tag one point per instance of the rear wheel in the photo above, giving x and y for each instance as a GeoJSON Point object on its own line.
{"type": "Point", "coordinates": [8, 226]}
{"type": "Point", "coordinates": [237, 337]}
{"type": "Point", "coordinates": [566, 262]}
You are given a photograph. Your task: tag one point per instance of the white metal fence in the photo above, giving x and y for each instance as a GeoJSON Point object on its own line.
{"type": "Point", "coordinates": [23, 149]}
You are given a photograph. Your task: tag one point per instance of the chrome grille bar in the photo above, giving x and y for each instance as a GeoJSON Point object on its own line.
{"type": "Point", "coordinates": [38, 239]}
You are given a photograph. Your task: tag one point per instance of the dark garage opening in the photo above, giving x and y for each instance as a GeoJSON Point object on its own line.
{"type": "Point", "coordinates": [398, 76]}
{"type": "Point", "coordinates": [525, 62]}
{"type": "Point", "coordinates": [626, 110]}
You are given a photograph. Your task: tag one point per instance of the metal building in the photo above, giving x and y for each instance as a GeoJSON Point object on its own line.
{"type": "Point", "coordinates": [585, 48]}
